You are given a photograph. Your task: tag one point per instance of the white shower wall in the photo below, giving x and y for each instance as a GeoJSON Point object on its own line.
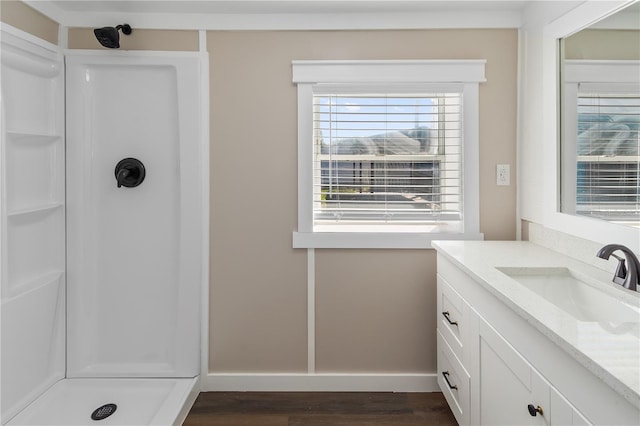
{"type": "Point", "coordinates": [33, 219]}
{"type": "Point", "coordinates": [133, 260]}
{"type": "Point", "coordinates": [99, 281]}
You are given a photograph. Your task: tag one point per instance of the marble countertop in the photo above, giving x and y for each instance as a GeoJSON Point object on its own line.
{"type": "Point", "coordinates": [611, 352]}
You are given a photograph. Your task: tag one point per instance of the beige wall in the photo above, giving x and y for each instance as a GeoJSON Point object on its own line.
{"type": "Point", "coordinates": [173, 40]}
{"type": "Point", "coordinates": [603, 44]}
{"type": "Point", "coordinates": [19, 15]}
{"type": "Point", "coordinates": [375, 309]}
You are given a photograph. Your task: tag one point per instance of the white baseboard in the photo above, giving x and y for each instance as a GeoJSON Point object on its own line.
{"type": "Point", "coordinates": [320, 382]}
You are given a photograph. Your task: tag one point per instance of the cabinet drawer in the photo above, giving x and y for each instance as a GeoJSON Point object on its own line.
{"type": "Point", "coordinates": [451, 317]}
{"type": "Point", "coordinates": [453, 381]}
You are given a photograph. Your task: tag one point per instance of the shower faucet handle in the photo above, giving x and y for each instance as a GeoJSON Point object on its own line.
{"type": "Point", "coordinates": [121, 176]}
{"type": "Point", "coordinates": [129, 172]}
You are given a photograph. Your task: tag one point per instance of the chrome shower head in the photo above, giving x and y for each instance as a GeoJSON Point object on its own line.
{"type": "Point", "coordinates": [109, 36]}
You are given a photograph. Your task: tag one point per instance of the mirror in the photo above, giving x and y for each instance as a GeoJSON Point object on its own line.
{"type": "Point", "coordinates": [600, 120]}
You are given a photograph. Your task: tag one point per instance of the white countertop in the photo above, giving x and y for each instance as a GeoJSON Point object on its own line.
{"type": "Point", "coordinates": [612, 354]}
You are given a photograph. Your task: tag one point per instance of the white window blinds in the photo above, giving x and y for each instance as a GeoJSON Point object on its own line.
{"type": "Point", "coordinates": [387, 158]}
{"type": "Point", "coordinates": [608, 161]}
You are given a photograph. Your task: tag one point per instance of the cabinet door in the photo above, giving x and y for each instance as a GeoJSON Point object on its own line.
{"type": "Point", "coordinates": [508, 384]}
{"type": "Point", "coordinates": [563, 413]}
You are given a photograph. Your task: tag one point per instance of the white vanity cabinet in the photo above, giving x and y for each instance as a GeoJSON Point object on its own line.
{"type": "Point", "coordinates": [495, 368]}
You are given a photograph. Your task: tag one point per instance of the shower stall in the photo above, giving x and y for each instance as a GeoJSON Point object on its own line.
{"type": "Point", "coordinates": [103, 234]}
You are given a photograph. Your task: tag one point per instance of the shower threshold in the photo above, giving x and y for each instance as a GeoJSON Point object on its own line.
{"type": "Point", "coordinates": [139, 401]}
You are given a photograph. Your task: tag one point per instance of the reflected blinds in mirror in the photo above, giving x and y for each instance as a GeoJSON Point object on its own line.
{"type": "Point", "coordinates": [608, 149]}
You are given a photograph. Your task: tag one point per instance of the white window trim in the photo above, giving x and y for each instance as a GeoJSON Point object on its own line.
{"type": "Point", "coordinates": [466, 74]}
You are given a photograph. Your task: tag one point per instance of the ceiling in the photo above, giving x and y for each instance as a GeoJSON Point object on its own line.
{"type": "Point", "coordinates": [283, 6]}
{"type": "Point", "coordinates": [287, 14]}
{"type": "Point", "coordinates": [307, 14]}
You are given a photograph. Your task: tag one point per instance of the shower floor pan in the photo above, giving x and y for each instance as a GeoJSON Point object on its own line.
{"type": "Point", "coordinates": [71, 402]}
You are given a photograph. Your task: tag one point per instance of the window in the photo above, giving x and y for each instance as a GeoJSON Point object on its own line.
{"type": "Point", "coordinates": [389, 158]}
{"type": "Point", "coordinates": [387, 152]}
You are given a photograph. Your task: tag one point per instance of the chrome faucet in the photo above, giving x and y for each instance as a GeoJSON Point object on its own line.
{"type": "Point", "coordinates": [628, 276]}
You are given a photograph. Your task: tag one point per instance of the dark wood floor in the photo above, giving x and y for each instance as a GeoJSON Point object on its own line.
{"type": "Point", "coordinates": [319, 409]}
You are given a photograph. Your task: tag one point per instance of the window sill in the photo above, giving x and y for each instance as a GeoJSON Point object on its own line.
{"type": "Point", "coordinates": [375, 240]}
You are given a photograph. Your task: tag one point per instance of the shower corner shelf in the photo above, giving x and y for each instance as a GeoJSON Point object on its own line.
{"type": "Point", "coordinates": [33, 283]}
{"type": "Point", "coordinates": [34, 210]}
{"type": "Point", "coordinates": [32, 137]}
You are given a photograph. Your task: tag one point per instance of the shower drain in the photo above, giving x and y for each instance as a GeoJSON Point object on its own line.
{"type": "Point", "coordinates": [103, 412]}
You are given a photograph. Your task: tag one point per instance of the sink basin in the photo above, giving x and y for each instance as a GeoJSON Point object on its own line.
{"type": "Point", "coordinates": [569, 292]}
